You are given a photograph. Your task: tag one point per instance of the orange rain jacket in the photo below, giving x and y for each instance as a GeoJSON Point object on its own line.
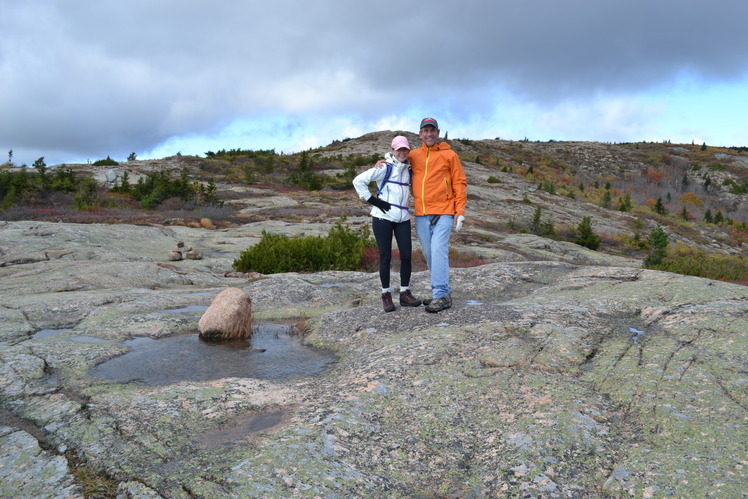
{"type": "Point", "coordinates": [439, 182]}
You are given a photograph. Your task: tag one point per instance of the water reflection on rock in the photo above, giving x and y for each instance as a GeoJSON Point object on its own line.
{"type": "Point", "coordinates": [273, 352]}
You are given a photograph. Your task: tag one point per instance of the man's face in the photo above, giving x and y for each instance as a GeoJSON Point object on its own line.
{"type": "Point", "coordinates": [429, 135]}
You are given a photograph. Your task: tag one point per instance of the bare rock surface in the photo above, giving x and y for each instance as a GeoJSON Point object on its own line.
{"type": "Point", "coordinates": [546, 378]}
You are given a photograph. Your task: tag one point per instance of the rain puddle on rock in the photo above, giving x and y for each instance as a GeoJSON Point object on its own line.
{"type": "Point", "coordinates": [185, 310]}
{"type": "Point", "coordinates": [637, 334]}
{"type": "Point", "coordinates": [46, 333]}
{"type": "Point", "coordinates": [274, 352]}
{"type": "Point", "coordinates": [234, 432]}
{"type": "Point", "coordinates": [49, 333]}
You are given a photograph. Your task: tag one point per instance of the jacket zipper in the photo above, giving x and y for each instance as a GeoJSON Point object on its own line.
{"type": "Point", "coordinates": [423, 182]}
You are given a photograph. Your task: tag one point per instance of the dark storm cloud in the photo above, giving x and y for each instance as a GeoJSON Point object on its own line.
{"type": "Point", "coordinates": [82, 78]}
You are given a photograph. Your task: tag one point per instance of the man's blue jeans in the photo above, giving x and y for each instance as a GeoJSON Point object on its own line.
{"type": "Point", "coordinates": [434, 241]}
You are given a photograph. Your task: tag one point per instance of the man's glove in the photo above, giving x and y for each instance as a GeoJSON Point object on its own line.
{"type": "Point", "coordinates": [379, 203]}
{"type": "Point", "coordinates": [458, 225]}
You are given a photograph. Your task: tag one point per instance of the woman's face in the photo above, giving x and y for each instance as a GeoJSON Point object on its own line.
{"type": "Point", "coordinates": [401, 154]}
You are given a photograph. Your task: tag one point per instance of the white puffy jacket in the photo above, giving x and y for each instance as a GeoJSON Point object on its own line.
{"type": "Point", "coordinates": [393, 193]}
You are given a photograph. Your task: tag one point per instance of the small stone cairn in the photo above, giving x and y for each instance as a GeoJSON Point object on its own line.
{"type": "Point", "coordinates": [229, 316]}
{"type": "Point", "coordinates": [182, 251]}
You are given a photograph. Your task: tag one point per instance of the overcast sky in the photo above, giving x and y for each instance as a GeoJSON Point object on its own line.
{"type": "Point", "coordinates": [85, 79]}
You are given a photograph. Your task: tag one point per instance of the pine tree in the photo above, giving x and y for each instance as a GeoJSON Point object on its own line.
{"type": "Point", "coordinates": [535, 227]}
{"type": "Point", "coordinates": [659, 208]}
{"type": "Point", "coordinates": [606, 199]}
{"type": "Point", "coordinates": [41, 169]}
{"type": "Point", "coordinates": [586, 236]}
{"type": "Point", "coordinates": [658, 240]}
{"type": "Point", "coordinates": [125, 183]}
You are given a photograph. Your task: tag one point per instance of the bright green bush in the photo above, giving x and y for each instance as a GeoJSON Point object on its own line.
{"type": "Point", "coordinates": [341, 249]}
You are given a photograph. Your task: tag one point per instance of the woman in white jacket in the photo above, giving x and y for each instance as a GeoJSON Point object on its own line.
{"type": "Point", "coordinates": [391, 215]}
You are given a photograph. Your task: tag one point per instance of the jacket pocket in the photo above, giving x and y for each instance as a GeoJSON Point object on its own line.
{"type": "Point", "coordinates": [447, 190]}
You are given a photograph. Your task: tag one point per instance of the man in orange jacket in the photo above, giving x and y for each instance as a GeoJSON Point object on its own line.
{"type": "Point", "coordinates": [440, 196]}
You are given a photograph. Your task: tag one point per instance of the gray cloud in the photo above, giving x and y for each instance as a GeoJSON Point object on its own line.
{"type": "Point", "coordinates": [84, 78]}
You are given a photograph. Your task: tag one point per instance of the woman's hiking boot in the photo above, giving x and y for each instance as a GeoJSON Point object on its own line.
{"type": "Point", "coordinates": [439, 304]}
{"type": "Point", "coordinates": [408, 300]}
{"type": "Point", "coordinates": [387, 302]}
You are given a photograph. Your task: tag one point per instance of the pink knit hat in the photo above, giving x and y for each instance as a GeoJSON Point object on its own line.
{"type": "Point", "coordinates": [400, 142]}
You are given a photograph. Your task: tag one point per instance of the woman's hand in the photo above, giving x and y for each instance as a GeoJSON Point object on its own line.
{"type": "Point", "coordinates": [379, 203]}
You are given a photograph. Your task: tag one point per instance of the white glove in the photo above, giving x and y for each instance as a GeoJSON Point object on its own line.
{"type": "Point", "coordinates": [458, 225]}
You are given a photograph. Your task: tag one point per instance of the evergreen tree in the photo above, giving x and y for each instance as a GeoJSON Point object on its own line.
{"type": "Point", "coordinates": [606, 199]}
{"type": "Point", "coordinates": [658, 240]}
{"type": "Point", "coordinates": [535, 227]}
{"type": "Point", "coordinates": [708, 216]}
{"type": "Point", "coordinates": [125, 183]}
{"type": "Point", "coordinates": [87, 197]}
{"type": "Point", "coordinates": [636, 238]}
{"type": "Point", "coordinates": [624, 203]}
{"type": "Point", "coordinates": [41, 170]}
{"type": "Point", "coordinates": [659, 208]}
{"type": "Point", "coordinates": [586, 236]}
{"type": "Point", "coordinates": [64, 180]}
{"type": "Point", "coordinates": [304, 175]}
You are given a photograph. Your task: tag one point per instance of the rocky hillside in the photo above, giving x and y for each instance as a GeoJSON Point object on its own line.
{"type": "Point", "coordinates": [545, 379]}
{"type": "Point", "coordinates": [510, 184]}
{"type": "Point", "coordinates": [558, 372]}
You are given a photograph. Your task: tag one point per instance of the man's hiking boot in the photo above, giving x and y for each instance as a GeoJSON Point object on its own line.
{"type": "Point", "coordinates": [408, 300]}
{"type": "Point", "coordinates": [387, 302]}
{"type": "Point", "coordinates": [439, 304]}
{"type": "Point", "coordinates": [426, 301]}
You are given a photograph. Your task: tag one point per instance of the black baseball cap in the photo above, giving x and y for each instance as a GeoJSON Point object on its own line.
{"type": "Point", "coordinates": [429, 121]}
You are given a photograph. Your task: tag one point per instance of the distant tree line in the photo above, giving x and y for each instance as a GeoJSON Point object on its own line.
{"type": "Point", "coordinates": [23, 185]}
{"type": "Point", "coordinates": [27, 187]}
{"type": "Point", "coordinates": [155, 188]}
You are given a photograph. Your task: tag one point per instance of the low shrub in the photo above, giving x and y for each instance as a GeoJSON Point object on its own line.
{"type": "Point", "coordinates": [341, 249]}
{"type": "Point", "coordinates": [105, 162]}
{"type": "Point", "coordinates": [690, 261]}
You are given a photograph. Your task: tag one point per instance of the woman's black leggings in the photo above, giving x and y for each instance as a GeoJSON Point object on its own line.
{"type": "Point", "coordinates": [383, 230]}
